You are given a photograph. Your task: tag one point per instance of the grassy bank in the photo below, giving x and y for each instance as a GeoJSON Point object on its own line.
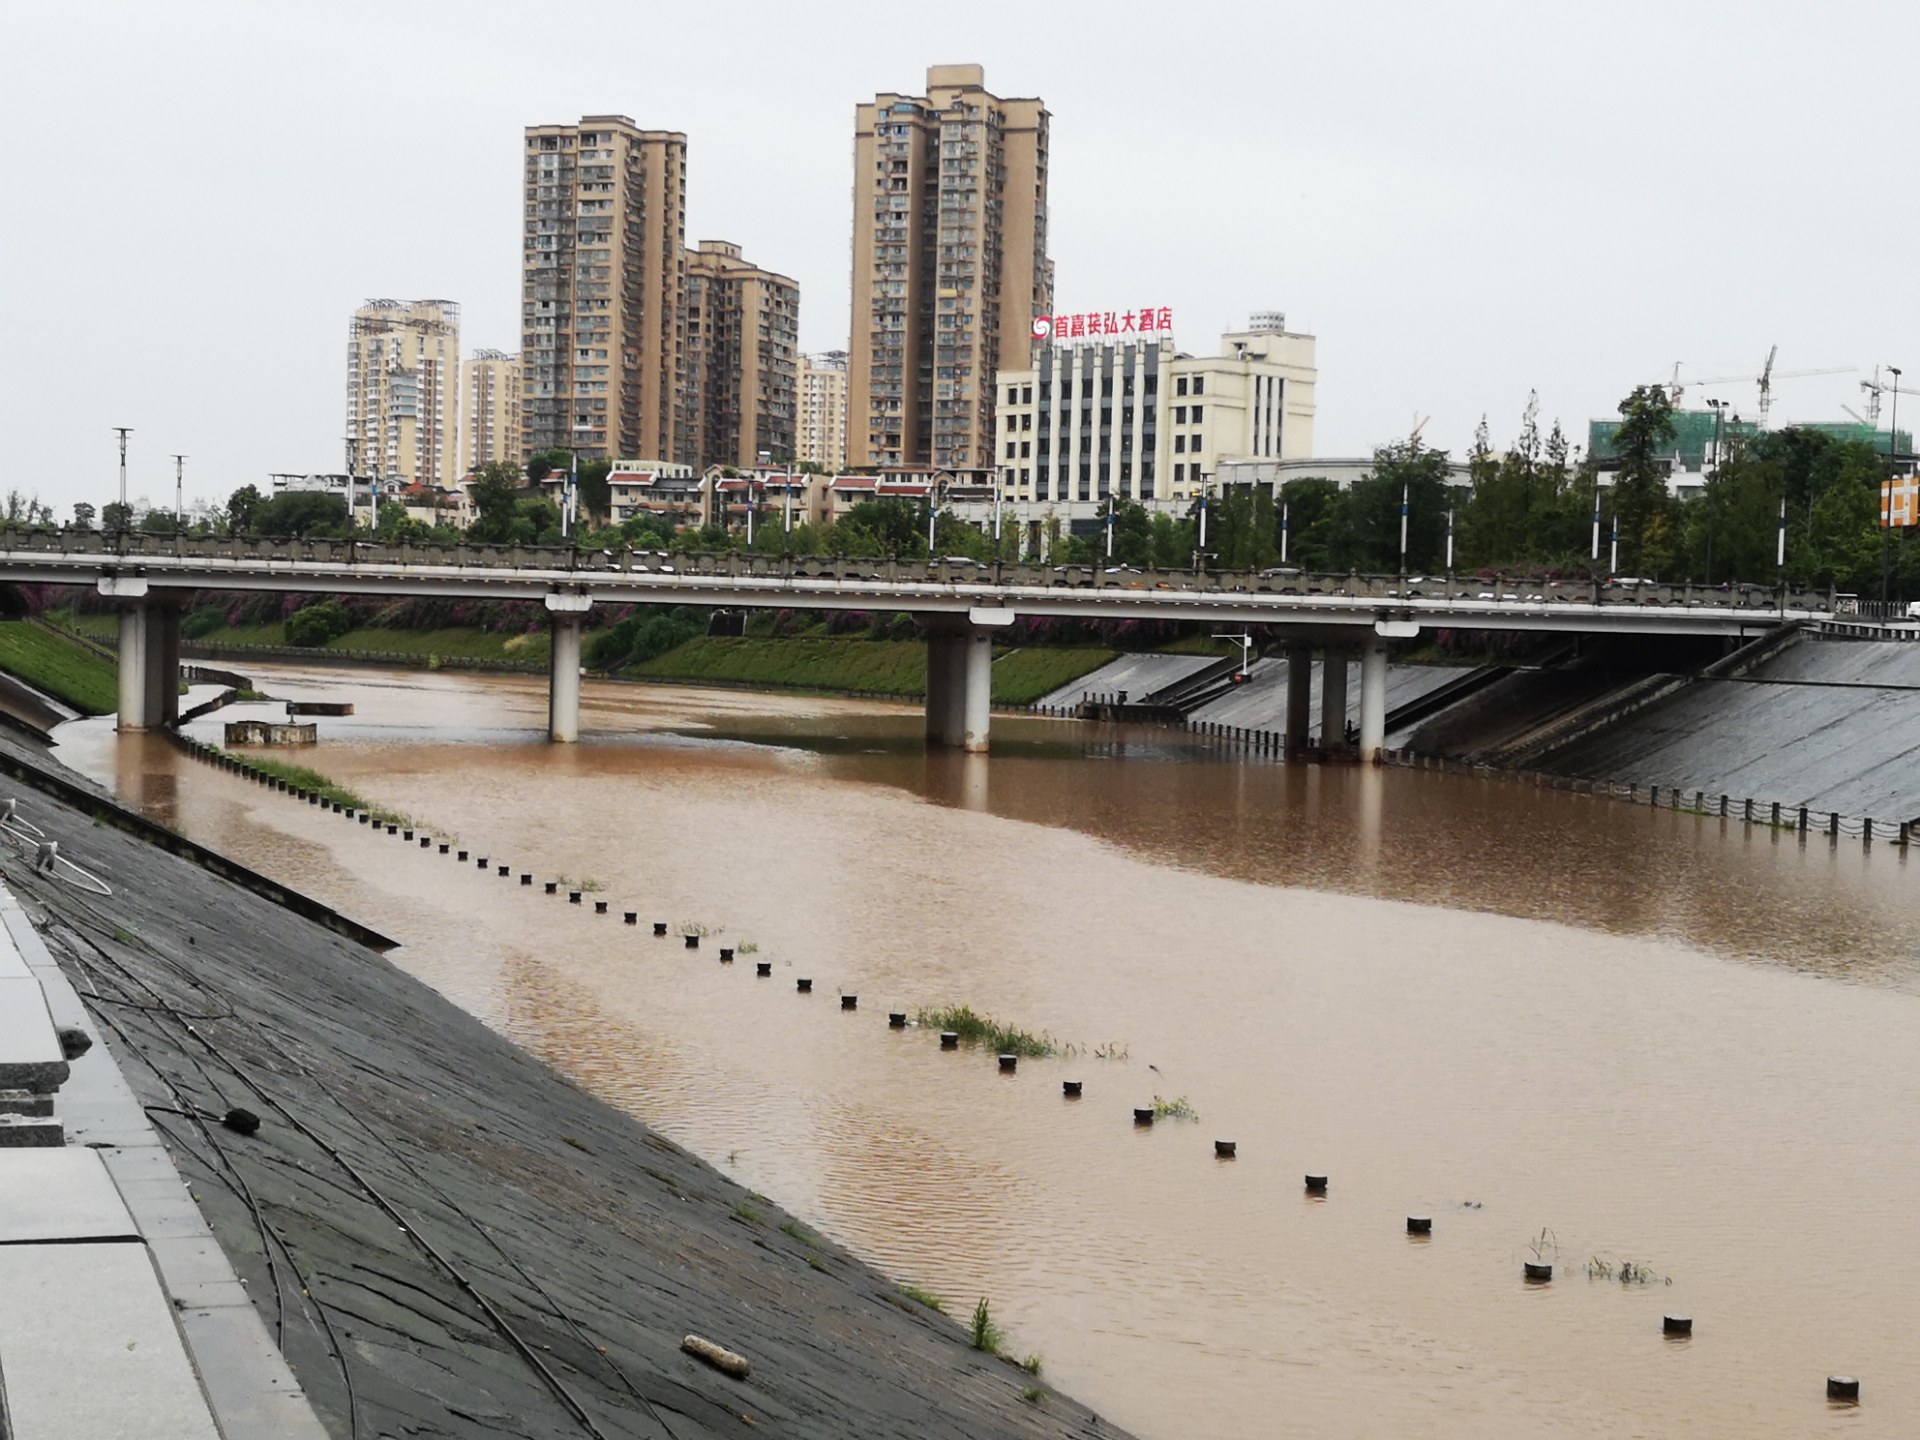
{"type": "Point", "coordinates": [808, 662]}
{"type": "Point", "coordinates": [456, 642]}
{"type": "Point", "coordinates": [58, 666]}
{"type": "Point", "coordinates": [888, 667]}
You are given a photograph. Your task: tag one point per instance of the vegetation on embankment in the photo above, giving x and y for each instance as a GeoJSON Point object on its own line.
{"type": "Point", "coordinates": [881, 667]}
{"type": "Point", "coordinates": [882, 654]}
{"type": "Point", "coordinates": [59, 667]}
{"type": "Point", "coordinates": [303, 778]}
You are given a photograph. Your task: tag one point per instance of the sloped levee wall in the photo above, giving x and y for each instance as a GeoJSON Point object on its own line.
{"type": "Point", "coordinates": [446, 1236]}
{"type": "Point", "coordinates": [1829, 724]}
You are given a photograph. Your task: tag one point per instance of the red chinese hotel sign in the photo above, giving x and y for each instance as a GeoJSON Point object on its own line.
{"type": "Point", "coordinates": [1103, 324]}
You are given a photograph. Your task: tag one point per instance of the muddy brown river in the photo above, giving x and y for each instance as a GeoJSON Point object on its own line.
{"type": "Point", "coordinates": [1622, 1038]}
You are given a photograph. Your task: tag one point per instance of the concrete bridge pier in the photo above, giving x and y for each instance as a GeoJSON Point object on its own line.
{"type": "Point", "coordinates": [149, 658]}
{"type": "Point", "coordinates": [1333, 700]}
{"type": "Point", "coordinates": [565, 616]}
{"type": "Point", "coordinates": [960, 677]}
{"type": "Point", "coordinates": [1299, 697]}
{"type": "Point", "coordinates": [1373, 699]}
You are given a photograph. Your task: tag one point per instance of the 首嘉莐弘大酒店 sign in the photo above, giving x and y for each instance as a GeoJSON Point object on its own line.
{"type": "Point", "coordinates": [1104, 324]}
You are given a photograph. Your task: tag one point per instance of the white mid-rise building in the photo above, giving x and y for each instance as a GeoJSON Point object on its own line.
{"type": "Point", "coordinates": [1131, 416]}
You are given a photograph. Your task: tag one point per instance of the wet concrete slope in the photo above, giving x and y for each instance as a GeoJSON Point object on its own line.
{"type": "Point", "coordinates": [1830, 724]}
{"type": "Point", "coordinates": [446, 1237]}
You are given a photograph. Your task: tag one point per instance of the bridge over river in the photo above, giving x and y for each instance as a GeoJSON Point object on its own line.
{"type": "Point", "coordinates": [963, 604]}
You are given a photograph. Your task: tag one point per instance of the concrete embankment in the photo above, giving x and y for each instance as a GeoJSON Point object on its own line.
{"type": "Point", "coordinates": [444, 1236]}
{"type": "Point", "coordinates": [1260, 703]}
{"type": "Point", "coordinates": [1829, 724]}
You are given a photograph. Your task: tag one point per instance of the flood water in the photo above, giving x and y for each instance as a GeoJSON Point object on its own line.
{"type": "Point", "coordinates": [1544, 1020]}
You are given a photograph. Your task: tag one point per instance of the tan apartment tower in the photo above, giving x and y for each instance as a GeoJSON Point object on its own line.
{"type": "Point", "coordinates": [490, 410]}
{"type": "Point", "coordinates": [950, 267]}
{"type": "Point", "coordinates": [822, 430]}
{"type": "Point", "coordinates": [742, 335]}
{"type": "Point", "coordinates": [403, 391]}
{"type": "Point", "coordinates": [603, 289]}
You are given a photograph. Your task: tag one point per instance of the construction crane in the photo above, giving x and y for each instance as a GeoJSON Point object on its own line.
{"type": "Point", "coordinates": [1764, 380]}
{"type": "Point", "coordinates": [1875, 388]}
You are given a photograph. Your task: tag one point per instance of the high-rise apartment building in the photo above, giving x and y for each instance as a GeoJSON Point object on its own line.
{"type": "Point", "coordinates": [603, 289]}
{"type": "Point", "coordinates": [490, 410]}
{"type": "Point", "coordinates": [822, 430]}
{"type": "Point", "coordinates": [403, 390]}
{"type": "Point", "coordinates": [950, 267]}
{"type": "Point", "coordinates": [742, 335]}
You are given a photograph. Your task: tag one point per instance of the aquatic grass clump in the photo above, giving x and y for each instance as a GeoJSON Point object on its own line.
{"type": "Point", "coordinates": [982, 1333]}
{"type": "Point", "coordinates": [977, 1029]}
{"type": "Point", "coordinates": [1177, 1108]}
{"type": "Point", "coordinates": [302, 778]}
{"type": "Point", "coordinates": [1627, 1272]}
{"type": "Point", "coordinates": [924, 1297]}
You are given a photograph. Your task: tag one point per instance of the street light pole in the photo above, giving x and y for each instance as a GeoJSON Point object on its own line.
{"type": "Point", "coordinates": [125, 430]}
{"type": "Point", "coordinates": [1886, 518]}
{"type": "Point", "coordinates": [179, 491]}
{"type": "Point", "coordinates": [1713, 480]}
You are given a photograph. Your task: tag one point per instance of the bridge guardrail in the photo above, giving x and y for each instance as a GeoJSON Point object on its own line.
{"type": "Point", "coordinates": [1279, 581]}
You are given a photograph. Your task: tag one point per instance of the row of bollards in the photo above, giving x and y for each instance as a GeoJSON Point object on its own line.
{"type": "Point", "coordinates": [1841, 1389]}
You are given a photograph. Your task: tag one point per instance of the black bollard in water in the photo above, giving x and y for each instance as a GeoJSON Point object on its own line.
{"type": "Point", "coordinates": [631, 917]}
{"type": "Point", "coordinates": [1225, 1149]}
{"type": "Point", "coordinates": [1143, 1115]}
{"type": "Point", "coordinates": [659, 927]}
{"type": "Point", "coordinates": [1070, 1089]}
{"type": "Point", "coordinates": [849, 1002]}
{"type": "Point", "coordinates": [805, 987]}
{"type": "Point", "coordinates": [1419, 1224]}
{"type": "Point", "coordinates": [763, 968]}
{"type": "Point", "coordinates": [1676, 1324]}
{"type": "Point", "coordinates": [949, 1040]}
{"type": "Point", "coordinates": [1316, 1184]}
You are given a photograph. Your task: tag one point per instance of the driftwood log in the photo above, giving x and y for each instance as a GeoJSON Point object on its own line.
{"type": "Point", "coordinates": [722, 1359]}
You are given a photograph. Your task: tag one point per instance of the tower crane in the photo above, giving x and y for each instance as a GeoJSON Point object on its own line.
{"type": "Point", "coordinates": [1875, 388]}
{"type": "Point", "coordinates": [1764, 380]}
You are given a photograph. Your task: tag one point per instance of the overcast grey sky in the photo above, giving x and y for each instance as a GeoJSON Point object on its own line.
{"type": "Point", "coordinates": [1463, 202]}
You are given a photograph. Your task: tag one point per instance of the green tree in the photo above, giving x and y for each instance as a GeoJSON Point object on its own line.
{"type": "Point", "coordinates": [1367, 534]}
{"type": "Point", "coordinates": [83, 514]}
{"type": "Point", "coordinates": [1641, 504]}
{"type": "Point", "coordinates": [313, 626]}
{"type": "Point", "coordinates": [495, 493]}
{"type": "Point", "coordinates": [115, 516]}
{"type": "Point", "coordinates": [243, 509]}
{"type": "Point", "coordinates": [1313, 511]}
{"type": "Point", "coordinates": [303, 513]}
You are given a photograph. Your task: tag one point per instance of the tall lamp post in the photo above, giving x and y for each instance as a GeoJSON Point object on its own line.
{"type": "Point", "coordinates": [1886, 506]}
{"type": "Point", "coordinates": [125, 430]}
{"type": "Point", "coordinates": [1719, 408]}
{"type": "Point", "coordinates": [179, 491]}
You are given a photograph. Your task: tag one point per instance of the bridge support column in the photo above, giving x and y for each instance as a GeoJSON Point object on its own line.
{"type": "Point", "coordinates": [565, 615]}
{"type": "Point", "coordinates": [1373, 700]}
{"type": "Point", "coordinates": [1299, 696]}
{"type": "Point", "coordinates": [133, 713]}
{"type": "Point", "coordinates": [163, 662]}
{"type": "Point", "coordinates": [149, 660]}
{"type": "Point", "coordinates": [946, 680]}
{"type": "Point", "coordinates": [960, 678]}
{"type": "Point", "coordinates": [1333, 701]}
